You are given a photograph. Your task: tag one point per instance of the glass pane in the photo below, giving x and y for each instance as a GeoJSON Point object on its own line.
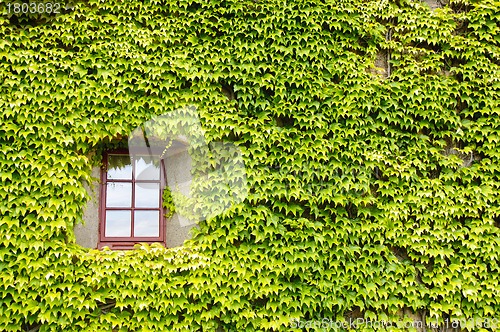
{"type": "Point", "coordinates": [147, 195]}
{"type": "Point", "coordinates": [118, 224]}
{"type": "Point", "coordinates": [147, 168]}
{"type": "Point", "coordinates": [119, 167]}
{"type": "Point", "coordinates": [118, 194]}
{"type": "Point", "coordinates": [147, 223]}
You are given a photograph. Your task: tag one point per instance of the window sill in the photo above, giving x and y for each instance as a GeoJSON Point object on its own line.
{"type": "Point", "coordinates": [124, 245]}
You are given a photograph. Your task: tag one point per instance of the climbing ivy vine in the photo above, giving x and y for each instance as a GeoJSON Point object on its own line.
{"type": "Point", "coordinates": [369, 130]}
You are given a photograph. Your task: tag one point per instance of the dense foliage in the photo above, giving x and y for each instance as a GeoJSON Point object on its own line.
{"type": "Point", "coordinates": [374, 190]}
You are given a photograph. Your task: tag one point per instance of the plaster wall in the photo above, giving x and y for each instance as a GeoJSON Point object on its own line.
{"type": "Point", "coordinates": [87, 234]}
{"type": "Point", "coordinates": [178, 169]}
{"type": "Point", "coordinates": [434, 4]}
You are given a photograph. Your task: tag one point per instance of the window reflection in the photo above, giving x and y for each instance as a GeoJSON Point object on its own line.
{"type": "Point", "coordinates": [147, 168]}
{"type": "Point", "coordinates": [118, 194]}
{"type": "Point", "coordinates": [119, 167]}
{"type": "Point", "coordinates": [146, 223]}
{"type": "Point", "coordinates": [147, 195]}
{"type": "Point", "coordinates": [118, 223]}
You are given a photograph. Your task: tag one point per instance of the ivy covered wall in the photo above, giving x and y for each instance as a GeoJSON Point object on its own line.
{"type": "Point", "coordinates": [374, 192]}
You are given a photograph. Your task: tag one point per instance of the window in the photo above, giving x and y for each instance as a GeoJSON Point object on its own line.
{"type": "Point", "coordinates": [131, 207]}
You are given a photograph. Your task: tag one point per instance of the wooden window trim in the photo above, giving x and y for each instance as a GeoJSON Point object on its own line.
{"type": "Point", "coordinates": [124, 243]}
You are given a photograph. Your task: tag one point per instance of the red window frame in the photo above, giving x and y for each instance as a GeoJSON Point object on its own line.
{"type": "Point", "coordinates": [130, 241]}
